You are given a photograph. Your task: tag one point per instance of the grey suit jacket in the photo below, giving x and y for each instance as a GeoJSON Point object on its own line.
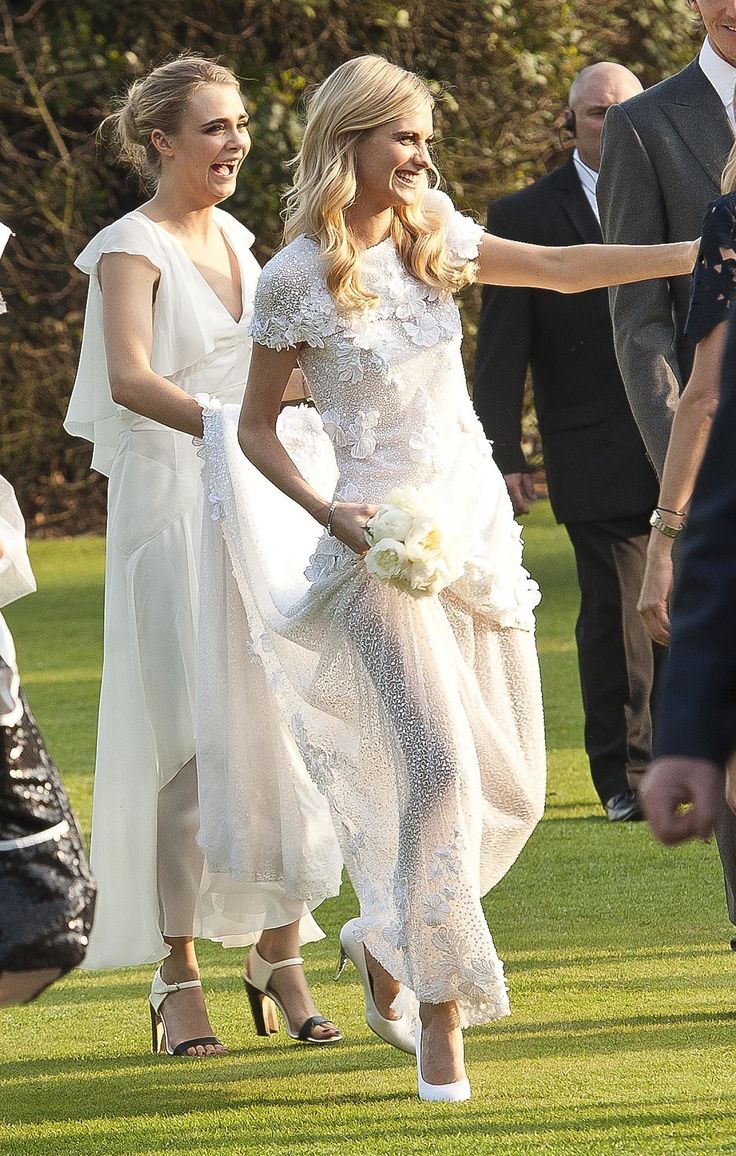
{"type": "Point", "coordinates": [663, 153]}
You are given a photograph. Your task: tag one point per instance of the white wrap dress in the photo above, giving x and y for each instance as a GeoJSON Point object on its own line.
{"type": "Point", "coordinates": [147, 710]}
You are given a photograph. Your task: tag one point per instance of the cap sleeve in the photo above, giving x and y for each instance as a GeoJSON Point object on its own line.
{"type": "Point", "coordinates": [464, 235]}
{"type": "Point", "coordinates": [714, 278]}
{"type": "Point", "coordinates": [293, 305]}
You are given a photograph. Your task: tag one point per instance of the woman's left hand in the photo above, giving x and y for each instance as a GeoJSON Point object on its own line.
{"type": "Point", "coordinates": [653, 604]}
{"type": "Point", "coordinates": [349, 522]}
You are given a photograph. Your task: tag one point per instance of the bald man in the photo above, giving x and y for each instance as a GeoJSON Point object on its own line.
{"type": "Point", "coordinates": [601, 486]}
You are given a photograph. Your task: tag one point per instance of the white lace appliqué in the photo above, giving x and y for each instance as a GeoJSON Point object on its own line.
{"type": "Point", "coordinates": [359, 435]}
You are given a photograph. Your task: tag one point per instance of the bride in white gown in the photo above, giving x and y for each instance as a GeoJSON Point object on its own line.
{"type": "Point", "coordinates": [419, 718]}
{"type": "Point", "coordinates": [170, 300]}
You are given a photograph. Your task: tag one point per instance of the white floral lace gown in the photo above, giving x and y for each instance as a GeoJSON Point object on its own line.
{"type": "Point", "coordinates": [419, 719]}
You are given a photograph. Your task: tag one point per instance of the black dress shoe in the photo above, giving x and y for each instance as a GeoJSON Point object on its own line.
{"type": "Point", "coordinates": [624, 808]}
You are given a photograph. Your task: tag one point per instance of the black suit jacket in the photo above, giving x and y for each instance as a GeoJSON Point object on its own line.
{"type": "Point", "coordinates": [594, 456]}
{"type": "Point", "coordinates": [697, 709]}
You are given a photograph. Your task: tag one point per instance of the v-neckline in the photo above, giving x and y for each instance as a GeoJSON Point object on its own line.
{"type": "Point", "coordinates": [230, 248]}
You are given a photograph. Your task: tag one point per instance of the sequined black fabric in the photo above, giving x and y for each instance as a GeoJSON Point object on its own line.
{"type": "Point", "coordinates": [47, 892]}
{"type": "Point", "coordinates": [714, 276]}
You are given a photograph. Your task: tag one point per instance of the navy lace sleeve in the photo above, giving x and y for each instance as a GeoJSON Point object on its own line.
{"type": "Point", "coordinates": [714, 277]}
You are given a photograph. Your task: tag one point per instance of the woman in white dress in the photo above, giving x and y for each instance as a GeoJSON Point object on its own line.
{"type": "Point", "coordinates": [419, 718]}
{"type": "Point", "coordinates": [170, 301]}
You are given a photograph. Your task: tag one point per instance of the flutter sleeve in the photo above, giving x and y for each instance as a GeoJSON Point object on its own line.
{"type": "Point", "coordinates": [92, 413]}
{"type": "Point", "coordinates": [293, 306]}
{"type": "Point", "coordinates": [714, 278]}
{"type": "Point", "coordinates": [183, 330]}
{"type": "Point", "coordinates": [464, 235]}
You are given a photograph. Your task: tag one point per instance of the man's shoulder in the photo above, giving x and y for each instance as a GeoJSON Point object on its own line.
{"type": "Point", "coordinates": [524, 200]}
{"type": "Point", "coordinates": [668, 91]}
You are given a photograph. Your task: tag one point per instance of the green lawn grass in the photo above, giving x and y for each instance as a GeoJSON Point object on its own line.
{"type": "Point", "coordinates": [616, 953]}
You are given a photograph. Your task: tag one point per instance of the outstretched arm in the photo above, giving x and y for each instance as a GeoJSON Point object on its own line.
{"type": "Point", "coordinates": [577, 268]}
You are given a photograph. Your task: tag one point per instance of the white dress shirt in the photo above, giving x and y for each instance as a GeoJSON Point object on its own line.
{"type": "Point", "coordinates": [588, 179]}
{"type": "Point", "coordinates": [721, 75]}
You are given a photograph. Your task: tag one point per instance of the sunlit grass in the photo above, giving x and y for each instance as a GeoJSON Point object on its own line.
{"type": "Point", "coordinates": [621, 1038]}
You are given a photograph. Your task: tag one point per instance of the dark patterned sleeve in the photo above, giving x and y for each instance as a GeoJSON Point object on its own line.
{"type": "Point", "coordinates": [714, 277]}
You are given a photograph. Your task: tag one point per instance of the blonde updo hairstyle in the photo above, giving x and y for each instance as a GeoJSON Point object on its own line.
{"type": "Point", "coordinates": [359, 96]}
{"type": "Point", "coordinates": [158, 101]}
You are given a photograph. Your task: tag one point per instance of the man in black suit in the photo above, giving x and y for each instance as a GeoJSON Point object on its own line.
{"type": "Point", "coordinates": [696, 728]}
{"type": "Point", "coordinates": [601, 485]}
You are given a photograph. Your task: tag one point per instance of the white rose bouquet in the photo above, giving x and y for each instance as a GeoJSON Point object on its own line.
{"type": "Point", "coordinates": [411, 547]}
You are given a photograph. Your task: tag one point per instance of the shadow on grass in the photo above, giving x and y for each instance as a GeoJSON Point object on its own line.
{"type": "Point", "coordinates": [625, 959]}
{"type": "Point", "coordinates": [576, 1037]}
{"type": "Point", "coordinates": [86, 1089]}
{"type": "Point", "coordinates": [328, 1123]}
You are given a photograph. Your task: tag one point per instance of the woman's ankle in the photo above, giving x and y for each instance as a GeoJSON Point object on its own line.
{"type": "Point", "coordinates": [180, 965]}
{"type": "Point", "coordinates": [277, 943]}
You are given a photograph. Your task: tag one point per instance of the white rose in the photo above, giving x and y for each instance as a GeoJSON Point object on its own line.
{"type": "Point", "coordinates": [424, 540]}
{"type": "Point", "coordinates": [387, 559]}
{"type": "Point", "coordinates": [429, 576]}
{"type": "Point", "coordinates": [406, 498]}
{"type": "Point", "coordinates": [390, 522]}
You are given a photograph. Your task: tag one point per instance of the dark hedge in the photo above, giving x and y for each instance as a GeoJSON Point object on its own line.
{"type": "Point", "coordinates": [504, 66]}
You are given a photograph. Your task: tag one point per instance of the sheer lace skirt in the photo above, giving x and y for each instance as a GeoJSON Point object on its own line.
{"type": "Point", "coordinates": [420, 722]}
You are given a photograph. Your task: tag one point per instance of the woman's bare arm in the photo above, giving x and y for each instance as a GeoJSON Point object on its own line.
{"type": "Point", "coordinates": [270, 370]}
{"type": "Point", "coordinates": [692, 422]}
{"type": "Point", "coordinates": [128, 286]}
{"type": "Point", "coordinates": [577, 268]}
{"type": "Point", "coordinates": [689, 437]}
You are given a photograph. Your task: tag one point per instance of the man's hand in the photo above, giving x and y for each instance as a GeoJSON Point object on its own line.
{"type": "Point", "coordinates": [681, 798]}
{"type": "Point", "coordinates": [521, 492]}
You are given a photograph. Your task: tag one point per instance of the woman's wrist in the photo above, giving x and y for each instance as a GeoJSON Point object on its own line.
{"type": "Point", "coordinates": [320, 511]}
{"type": "Point", "coordinates": [667, 523]}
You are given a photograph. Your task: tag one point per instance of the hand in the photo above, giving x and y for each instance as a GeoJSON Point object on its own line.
{"type": "Point", "coordinates": [676, 782]}
{"type": "Point", "coordinates": [653, 604]}
{"type": "Point", "coordinates": [348, 525]}
{"type": "Point", "coordinates": [521, 492]}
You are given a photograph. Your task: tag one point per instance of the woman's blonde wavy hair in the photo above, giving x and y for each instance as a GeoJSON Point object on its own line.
{"type": "Point", "coordinates": [358, 97]}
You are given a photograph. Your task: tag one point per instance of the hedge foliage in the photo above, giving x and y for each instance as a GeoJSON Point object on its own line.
{"type": "Point", "coordinates": [505, 67]}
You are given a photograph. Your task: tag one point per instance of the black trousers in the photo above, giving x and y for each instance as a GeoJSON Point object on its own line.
{"type": "Point", "coordinates": [618, 662]}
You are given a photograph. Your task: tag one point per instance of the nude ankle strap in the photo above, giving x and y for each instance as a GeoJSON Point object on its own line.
{"type": "Point", "coordinates": [285, 963]}
{"type": "Point", "coordinates": [259, 970]}
{"type": "Point", "coordinates": [161, 987]}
